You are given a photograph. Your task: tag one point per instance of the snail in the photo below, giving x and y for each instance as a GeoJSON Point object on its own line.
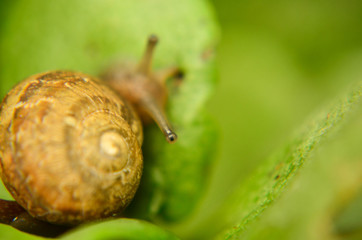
{"type": "Point", "coordinates": [70, 144]}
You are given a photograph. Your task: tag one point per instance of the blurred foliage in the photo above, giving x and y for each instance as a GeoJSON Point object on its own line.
{"type": "Point", "coordinates": [129, 229]}
{"type": "Point", "coordinates": [267, 85]}
{"type": "Point", "coordinates": [280, 63]}
{"type": "Point", "coordinates": [325, 201]}
{"type": "Point", "coordinates": [256, 194]}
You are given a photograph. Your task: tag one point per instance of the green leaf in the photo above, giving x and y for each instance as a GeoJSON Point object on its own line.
{"type": "Point", "coordinates": [324, 201]}
{"type": "Point", "coordinates": [176, 175]}
{"type": "Point", "coordinates": [349, 218]}
{"type": "Point", "coordinates": [269, 181]}
{"type": "Point", "coordinates": [4, 194]}
{"type": "Point", "coordinates": [120, 229]}
{"type": "Point", "coordinates": [7, 232]}
{"type": "Point", "coordinates": [39, 36]}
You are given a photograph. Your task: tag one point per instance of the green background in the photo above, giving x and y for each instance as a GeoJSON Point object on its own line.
{"type": "Point", "coordinates": [279, 62]}
{"type": "Point", "coordinates": [279, 65]}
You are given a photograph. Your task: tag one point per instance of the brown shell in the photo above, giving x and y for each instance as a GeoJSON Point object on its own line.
{"type": "Point", "coordinates": [70, 148]}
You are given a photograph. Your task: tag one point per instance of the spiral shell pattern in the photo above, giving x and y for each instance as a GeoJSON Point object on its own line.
{"type": "Point", "coordinates": [70, 148]}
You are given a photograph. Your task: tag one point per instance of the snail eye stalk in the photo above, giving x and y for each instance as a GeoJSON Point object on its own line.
{"type": "Point", "coordinates": [150, 102]}
{"type": "Point", "coordinates": [145, 65]}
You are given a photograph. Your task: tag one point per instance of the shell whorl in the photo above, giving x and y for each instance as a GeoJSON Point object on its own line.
{"type": "Point", "coordinates": [73, 146]}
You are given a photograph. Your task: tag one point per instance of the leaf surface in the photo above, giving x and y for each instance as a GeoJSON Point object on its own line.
{"type": "Point", "coordinates": [120, 229]}
{"type": "Point", "coordinates": [265, 185]}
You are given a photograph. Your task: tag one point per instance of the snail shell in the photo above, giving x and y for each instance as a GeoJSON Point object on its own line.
{"type": "Point", "coordinates": [71, 145]}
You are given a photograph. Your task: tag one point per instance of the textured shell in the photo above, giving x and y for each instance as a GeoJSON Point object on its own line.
{"type": "Point", "coordinates": [70, 148]}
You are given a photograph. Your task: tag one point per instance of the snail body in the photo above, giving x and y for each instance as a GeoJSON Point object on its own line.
{"type": "Point", "coordinates": [70, 146]}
